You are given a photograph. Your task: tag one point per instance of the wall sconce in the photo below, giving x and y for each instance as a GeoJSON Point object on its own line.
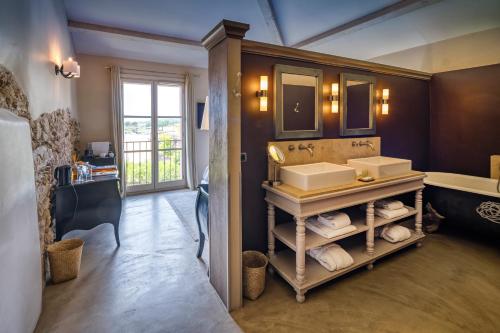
{"type": "Point", "coordinates": [385, 101]}
{"type": "Point", "coordinates": [69, 69]}
{"type": "Point", "coordinates": [334, 98]}
{"type": "Point", "coordinates": [262, 93]}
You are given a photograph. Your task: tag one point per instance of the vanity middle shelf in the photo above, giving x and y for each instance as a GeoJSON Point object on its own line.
{"type": "Point", "coordinates": [286, 232]}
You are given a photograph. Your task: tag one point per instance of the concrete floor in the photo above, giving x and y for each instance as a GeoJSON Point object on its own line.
{"type": "Point", "coordinates": [152, 283]}
{"type": "Point", "coordinates": [451, 284]}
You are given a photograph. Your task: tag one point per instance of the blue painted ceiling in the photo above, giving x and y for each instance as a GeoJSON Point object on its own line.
{"type": "Point", "coordinates": [296, 19]}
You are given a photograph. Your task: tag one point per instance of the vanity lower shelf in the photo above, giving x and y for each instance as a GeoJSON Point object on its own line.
{"type": "Point", "coordinates": [284, 262]}
{"type": "Point", "coordinates": [286, 232]}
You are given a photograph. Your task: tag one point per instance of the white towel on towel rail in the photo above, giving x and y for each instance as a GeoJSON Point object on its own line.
{"type": "Point", "coordinates": [331, 256]}
{"type": "Point", "coordinates": [321, 229]}
{"type": "Point", "coordinates": [389, 204]}
{"type": "Point", "coordinates": [395, 233]}
{"type": "Point", "coordinates": [336, 220]}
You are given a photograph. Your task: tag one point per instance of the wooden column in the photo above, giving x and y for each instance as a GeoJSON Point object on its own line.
{"type": "Point", "coordinates": [300, 254]}
{"type": "Point", "coordinates": [370, 233]}
{"type": "Point", "coordinates": [270, 227]}
{"type": "Point", "coordinates": [223, 43]}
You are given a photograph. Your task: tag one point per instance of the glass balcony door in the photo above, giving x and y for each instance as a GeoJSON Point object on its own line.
{"type": "Point", "coordinates": [153, 113]}
{"type": "Point", "coordinates": [170, 136]}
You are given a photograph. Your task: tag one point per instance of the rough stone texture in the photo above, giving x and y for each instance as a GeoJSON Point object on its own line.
{"type": "Point", "coordinates": [12, 96]}
{"type": "Point", "coordinates": [54, 136]}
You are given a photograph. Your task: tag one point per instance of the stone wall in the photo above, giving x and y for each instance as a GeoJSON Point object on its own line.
{"type": "Point", "coordinates": [54, 136]}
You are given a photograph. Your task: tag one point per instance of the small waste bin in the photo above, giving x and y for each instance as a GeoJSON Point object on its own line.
{"type": "Point", "coordinates": [64, 259]}
{"type": "Point", "coordinates": [254, 274]}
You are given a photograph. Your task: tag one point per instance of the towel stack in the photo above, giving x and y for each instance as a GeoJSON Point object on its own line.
{"type": "Point", "coordinates": [389, 209]}
{"type": "Point", "coordinates": [331, 256]}
{"type": "Point", "coordinates": [395, 233]}
{"type": "Point", "coordinates": [331, 224]}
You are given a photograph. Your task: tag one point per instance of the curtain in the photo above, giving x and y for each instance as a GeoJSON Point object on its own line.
{"type": "Point", "coordinates": [117, 111]}
{"type": "Point", "coordinates": [189, 130]}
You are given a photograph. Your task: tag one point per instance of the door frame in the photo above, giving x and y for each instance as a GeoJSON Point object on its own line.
{"type": "Point", "coordinates": [155, 185]}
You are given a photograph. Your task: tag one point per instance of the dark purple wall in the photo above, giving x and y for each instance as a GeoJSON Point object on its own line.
{"type": "Point", "coordinates": [465, 120]}
{"type": "Point", "coordinates": [404, 132]}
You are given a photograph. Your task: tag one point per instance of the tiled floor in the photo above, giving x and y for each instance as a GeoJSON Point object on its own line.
{"type": "Point", "coordinates": [152, 283]}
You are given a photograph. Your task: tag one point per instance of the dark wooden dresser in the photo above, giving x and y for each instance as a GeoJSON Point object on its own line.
{"type": "Point", "coordinates": [83, 206]}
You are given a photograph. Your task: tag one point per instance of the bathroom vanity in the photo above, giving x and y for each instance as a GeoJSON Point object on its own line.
{"type": "Point", "coordinates": [303, 272]}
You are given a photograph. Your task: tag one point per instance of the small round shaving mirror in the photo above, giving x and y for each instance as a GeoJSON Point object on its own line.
{"type": "Point", "coordinates": [278, 158]}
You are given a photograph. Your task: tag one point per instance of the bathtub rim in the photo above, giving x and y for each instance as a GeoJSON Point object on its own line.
{"type": "Point", "coordinates": [428, 181]}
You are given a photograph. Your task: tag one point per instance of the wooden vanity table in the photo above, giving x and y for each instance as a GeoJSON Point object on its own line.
{"type": "Point", "coordinates": [303, 272]}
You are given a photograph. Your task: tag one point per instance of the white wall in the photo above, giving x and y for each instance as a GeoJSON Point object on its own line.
{"type": "Point", "coordinates": [94, 99]}
{"type": "Point", "coordinates": [33, 38]}
{"type": "Point", "coordinates": [468, 51]}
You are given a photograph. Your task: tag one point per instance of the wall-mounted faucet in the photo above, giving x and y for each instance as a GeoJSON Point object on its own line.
{"type": "Point", "coordinates": [309, 148]}
{"type": "Point", "coordinates": [363, 143]}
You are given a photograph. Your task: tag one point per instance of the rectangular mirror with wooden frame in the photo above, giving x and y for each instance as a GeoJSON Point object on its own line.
{"type": "Point", "coordinates": [298, 102]}
{"type": "Point", "coordinates": [357, 105]}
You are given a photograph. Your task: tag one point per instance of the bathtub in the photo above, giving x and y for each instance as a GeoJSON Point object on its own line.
{"type": "Point", "coordinates": [469, 202]}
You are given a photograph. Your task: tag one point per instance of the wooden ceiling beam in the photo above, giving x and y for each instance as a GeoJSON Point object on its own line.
{"type": "Point", "coordinates": [384, 14]}
{"type": "Point", "coordinates": [131, 33]}
{"type": "Point", "coordinates": [267, 10]}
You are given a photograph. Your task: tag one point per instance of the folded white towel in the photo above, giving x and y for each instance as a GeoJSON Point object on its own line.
{"type": "Point", "coordinates": [326, 231]}
{"type": "Point", "coordinates": [332, 257]}
{"type": "Point", "coordinates": [389, 204]}
{"type": "Point", "coordinates": [336, 220]}
{"type": "Point", "coordinates": [395, 233]}
{"type": "Point", "coordinates": [390, 214]}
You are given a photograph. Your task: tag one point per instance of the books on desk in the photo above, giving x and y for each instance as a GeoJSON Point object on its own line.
{"type": "Point", "coordinates": [105, 170]}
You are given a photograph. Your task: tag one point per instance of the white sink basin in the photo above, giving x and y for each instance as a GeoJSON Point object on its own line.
{"type": "Point", "coordinates": [315, 176]}
{"type": "Point", "coordinates": [380, 166]}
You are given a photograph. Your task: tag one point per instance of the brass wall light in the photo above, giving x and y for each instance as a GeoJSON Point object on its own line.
{"type": "Point", "coordinates": [262, 93]}
{"type": "Point", "coordinates": [385, 101]}
{"type": "Point", "coordinates": [69, 69]}
{"type": "Point", "coordinates": [334, 98]}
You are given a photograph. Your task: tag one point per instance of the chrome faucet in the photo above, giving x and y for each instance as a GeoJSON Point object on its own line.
{"type": "Point", "coordinates": [309, 148]}
{"type": "Point", "coordinates": [363, 143]}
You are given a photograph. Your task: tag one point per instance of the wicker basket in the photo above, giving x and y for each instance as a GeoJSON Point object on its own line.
{"type": "Point", "coordinates": [254, 274]}
{"type": "Point", "coordinates": [65, 258]}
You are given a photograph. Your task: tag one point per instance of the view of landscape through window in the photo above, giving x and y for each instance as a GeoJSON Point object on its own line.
{"type": "Point", "coordinates": [144, 160]}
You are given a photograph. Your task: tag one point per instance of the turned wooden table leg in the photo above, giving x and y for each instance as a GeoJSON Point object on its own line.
{"type": "Point", "coordinates": [300, 254]}
{"type": "Point", "coordinates": [300, 297]}
{"type": "Point", "coordinates": [418, 207]}
{"type": "Point", "coordinates": [370, 221]}
{"type": "Point", "coordinates": [270, 227]}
